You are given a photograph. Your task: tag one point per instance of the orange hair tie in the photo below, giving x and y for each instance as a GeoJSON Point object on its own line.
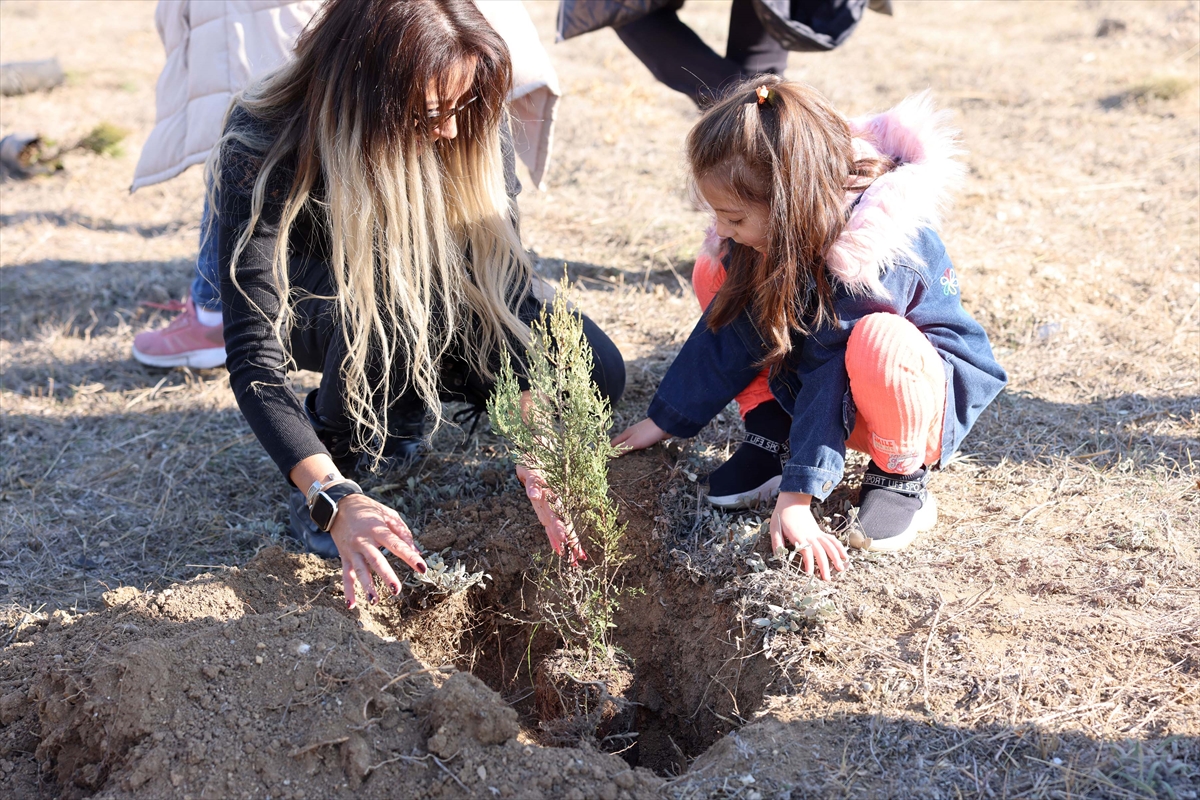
{"type": "Point", "coordinates": [765, 95]}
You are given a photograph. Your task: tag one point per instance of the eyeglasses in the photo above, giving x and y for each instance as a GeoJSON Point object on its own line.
{"type": "Point", "coordinates": [437, 115]}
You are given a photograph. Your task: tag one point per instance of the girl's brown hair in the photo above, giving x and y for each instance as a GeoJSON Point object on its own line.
{"type": "Point", "coordinates": [791, 153]}
{"type": "Point", "coordinates": [424, 248]}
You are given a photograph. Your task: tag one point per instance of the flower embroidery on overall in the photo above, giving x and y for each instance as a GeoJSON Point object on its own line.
{"type": "Point", "coordinates": [949, 282]}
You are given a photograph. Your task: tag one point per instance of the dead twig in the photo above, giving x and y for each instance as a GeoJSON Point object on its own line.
{"type": "Point", "coordinates": [925, 656]}
{"type": "Point", "coordinates": [317, 745]}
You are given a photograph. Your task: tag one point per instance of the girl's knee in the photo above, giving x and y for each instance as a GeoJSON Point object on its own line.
{"type": "Point", "coordinates": [882, 342]}
{"type": "Point", "coordinates": [880, 333]}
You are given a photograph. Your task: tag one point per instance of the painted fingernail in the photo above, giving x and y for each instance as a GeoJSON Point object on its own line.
{"type": "Point", "coordinates": [349, 605]}
{"type": "Point", "coordinates": [421, 567]}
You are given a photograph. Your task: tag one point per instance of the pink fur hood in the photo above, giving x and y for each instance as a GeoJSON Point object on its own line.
{"type": "Point", "coordinates": [904, 201]}
{"type": "Point", "coordinates": [899, 204]}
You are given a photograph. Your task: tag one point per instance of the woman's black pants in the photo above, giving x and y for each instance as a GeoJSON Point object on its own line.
{"type": "Point", "coordinates": [679, 58]}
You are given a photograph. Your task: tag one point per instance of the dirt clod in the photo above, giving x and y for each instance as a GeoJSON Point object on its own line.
{"type": "Point", "coordinates": [465, 709]}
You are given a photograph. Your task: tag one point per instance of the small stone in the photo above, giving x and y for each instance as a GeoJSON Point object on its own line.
{"type": "Point", "coordinates": [260, 646]}
{"type": "Point", "coordinates": [258, 660]}
{"type": "Point", "coordinates": [13, 706]}
{"type": "Point", "coordinates": [625, 780]}
{"type": "Point", "coordinates": [482, 772]}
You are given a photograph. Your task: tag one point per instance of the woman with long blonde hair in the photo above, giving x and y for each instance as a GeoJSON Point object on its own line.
{"type": "Point", "coordinates": [367, 230]}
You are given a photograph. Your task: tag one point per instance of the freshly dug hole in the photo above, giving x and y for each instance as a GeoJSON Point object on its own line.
{"type": "Point", "coordinates": [693, 678]}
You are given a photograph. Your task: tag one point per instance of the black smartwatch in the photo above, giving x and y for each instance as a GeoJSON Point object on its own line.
{"type": "Point", "coordinates": [323, 508]}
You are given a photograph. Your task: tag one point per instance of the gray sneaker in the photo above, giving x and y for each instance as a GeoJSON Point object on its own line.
{"type": "Point", "coordinates": [892, 510]}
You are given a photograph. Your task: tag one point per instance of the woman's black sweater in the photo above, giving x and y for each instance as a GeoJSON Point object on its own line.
{"type": "Point", "coordinates": [257, 364]}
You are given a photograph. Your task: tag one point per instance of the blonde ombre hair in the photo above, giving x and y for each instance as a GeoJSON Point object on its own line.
{"type": "Point", "coordinates": [424, 250]}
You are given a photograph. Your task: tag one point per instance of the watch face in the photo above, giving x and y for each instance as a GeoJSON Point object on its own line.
{"type": "Point", "coordinates": [322, 511]}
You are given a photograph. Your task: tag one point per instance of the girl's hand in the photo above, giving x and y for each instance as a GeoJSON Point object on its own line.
{"type": "Point", "coordinates": [794, 521]}
{"type": "Point", "coordinates": [362, 526]}
{"type": "Point", "coordinates": [640, 436]}
{"type": "Point", "coordinates": [559, 531]}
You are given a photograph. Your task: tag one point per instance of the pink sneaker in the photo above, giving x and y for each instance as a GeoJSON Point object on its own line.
{"type": "Point", "coordinates": [183, 343]}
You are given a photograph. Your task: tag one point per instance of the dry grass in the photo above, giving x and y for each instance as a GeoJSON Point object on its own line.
{"type": "Point", "coordinates": [1041, 643]}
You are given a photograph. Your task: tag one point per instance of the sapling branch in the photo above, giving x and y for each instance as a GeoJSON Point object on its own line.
{"type": "Point", "coordinates": [559, 430]}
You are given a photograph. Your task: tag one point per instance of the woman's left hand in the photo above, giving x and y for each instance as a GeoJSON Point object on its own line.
{"type": "Point", "coordinates": [558, 530]}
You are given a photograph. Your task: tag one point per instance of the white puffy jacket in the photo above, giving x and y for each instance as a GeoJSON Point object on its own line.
{"type": "Point", "coordinates": [216, 47]}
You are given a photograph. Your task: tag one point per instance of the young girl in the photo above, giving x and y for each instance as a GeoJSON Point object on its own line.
{"type": "Point", "coordinates": [834, 314]}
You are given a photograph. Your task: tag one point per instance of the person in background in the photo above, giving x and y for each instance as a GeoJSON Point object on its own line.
{"type": "Point", "coordinates": [213, 51]}
{"type": "Point", "coordinates": [761, 32]}
{"type": "Point", "coordinates": [677, 57]}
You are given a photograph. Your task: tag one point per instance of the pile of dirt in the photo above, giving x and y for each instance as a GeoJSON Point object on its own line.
{"type": "Point", "coordinates": [258, 682]}
{"type": "Point", "coordinates": [226, 686]}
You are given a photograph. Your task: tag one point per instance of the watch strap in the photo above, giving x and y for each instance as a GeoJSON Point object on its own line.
{"type": "Point", "coordinates": [318, 485]}
{"type": "Point", "coordinates": [324, 506]}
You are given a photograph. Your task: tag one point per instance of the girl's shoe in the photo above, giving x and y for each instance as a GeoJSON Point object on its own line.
{"type": "Point", "coordinates": [753, 474]}
{"type": "Point", "coordinates": [892, 510]}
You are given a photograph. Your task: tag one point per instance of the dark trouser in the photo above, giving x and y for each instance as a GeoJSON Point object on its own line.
{"type": "Point", "coordinates": [317, 345]}
{"type": "Point", "coordinates": [679, 58]}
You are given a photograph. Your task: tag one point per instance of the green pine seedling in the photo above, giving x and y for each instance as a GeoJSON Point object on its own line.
{"type": "Point", "coordinates": [563, 434]}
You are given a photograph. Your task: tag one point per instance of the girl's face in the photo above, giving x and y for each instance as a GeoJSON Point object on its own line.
{"type": "Point", "coordinates": [741, 220]}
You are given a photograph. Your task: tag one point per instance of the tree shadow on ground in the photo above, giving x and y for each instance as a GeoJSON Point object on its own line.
{"type": "Point", "coordinates": [1132, 427]}
{"type": "Point", "coordinates": [105, 366]}
{"type": "Point", "coordinates": [878, 756]}
{"type": "Point", "coordinates": [83, 299]}
{"type": "Point", "coordinates": [673, 276]}
{"type": "Point", "coordinates": [67, 219]}
{"type": "Point", "coordinates": [139, 496]}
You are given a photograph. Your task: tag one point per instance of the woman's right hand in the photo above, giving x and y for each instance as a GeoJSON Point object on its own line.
{"type": "Point", "coordinates": [558, 530]}
{"type": "Point", "coordinates": [640, 436]}
{"type": "Point", "coordinates": [363, 526]}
